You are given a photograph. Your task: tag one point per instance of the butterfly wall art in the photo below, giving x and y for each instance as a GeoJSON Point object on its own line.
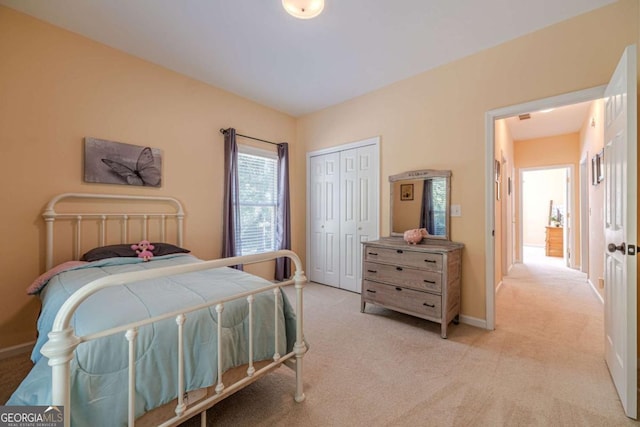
{"type": "Point", "coordinates": [110, 162]}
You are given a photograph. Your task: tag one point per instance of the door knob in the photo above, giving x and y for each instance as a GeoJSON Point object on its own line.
{"type": "Point", "coordinates": [612, 247]}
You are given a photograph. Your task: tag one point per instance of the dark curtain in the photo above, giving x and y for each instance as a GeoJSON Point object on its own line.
{"type": "Point", "coordinates": [426, 211]}
{"type": "Point", "coordinates": [231, 216]}
{"type": "Point", "coordinates": [283, 216]}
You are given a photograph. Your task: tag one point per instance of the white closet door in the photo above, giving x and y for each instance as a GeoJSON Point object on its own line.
{"type": "Point", "coordinates": [316, 220]}
{"type": "Point", "coordinates": [344, 191]}
{"type": "Point", "coordinates": [368, 202]}
{"type": "Point", "coordinates": [325, 219]}
{"type": "Point", "coordinates": [359, 191]}
{"type": "Point", "coordinates": [349, 206]}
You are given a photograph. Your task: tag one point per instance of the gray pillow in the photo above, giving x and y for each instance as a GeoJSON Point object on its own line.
{"type": "Point", "coordinates": [124, 250]}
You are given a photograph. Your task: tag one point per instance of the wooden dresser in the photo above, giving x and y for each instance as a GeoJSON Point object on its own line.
{"type": "Point", "coordinates": [421, 280]}
{"type": "Point", "coordinates": [554, 244]}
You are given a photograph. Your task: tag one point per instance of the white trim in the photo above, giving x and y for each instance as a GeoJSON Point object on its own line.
{"type": "Point", "coordinates": [490, 118]}
{"type": "Point", "coordinates": [584, 212]}
{"type": "Point", "coordinates": [16, 350]}
{"type": "Point", "coordinates": [595, 291]}
{"type": "Point", "coordinates": [374, 140]}
{"type": "Point", "coordinates": [473, 321]}
{"type": "Point", "coordinates": [255, 151]}
{"type": "Point", "coordinates": [499, 286]}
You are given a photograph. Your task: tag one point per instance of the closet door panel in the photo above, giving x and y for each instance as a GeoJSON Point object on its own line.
{"type": "Point", "coordinates": [368, 193]}
{"type": "Point", "coordinates": [325, 219]}
{"type": "Point", "coordinates": [316, 219]}
{"type": "Point", "coordinates": [349, 212]}
{"type": "Point", "coordinates": [332, 219]}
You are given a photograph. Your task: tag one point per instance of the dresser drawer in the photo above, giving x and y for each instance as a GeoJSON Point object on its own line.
{"type": "Point", "coordinates": [403, 299]}
{"type": "Point", "coordinates": [423, 280]}
{"type": "Point", "coordinates": [409, 258]}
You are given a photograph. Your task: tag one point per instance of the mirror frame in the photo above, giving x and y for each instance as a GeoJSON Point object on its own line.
{"type": "Point", "coordinates": [423, 174]}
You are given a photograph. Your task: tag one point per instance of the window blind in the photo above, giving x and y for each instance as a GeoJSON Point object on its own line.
{"type": "Point", "coordinates": [257, 177]}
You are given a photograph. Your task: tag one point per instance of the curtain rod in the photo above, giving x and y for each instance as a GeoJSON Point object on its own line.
{"type": "Point", "coordinates": [224, 131]}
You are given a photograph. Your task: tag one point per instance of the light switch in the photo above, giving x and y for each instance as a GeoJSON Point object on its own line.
{"type": "Point", "coordinates": [456, 210]}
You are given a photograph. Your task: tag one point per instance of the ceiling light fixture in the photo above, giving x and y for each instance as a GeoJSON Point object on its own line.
{"type": "Point", "coordinates": [303, 9]}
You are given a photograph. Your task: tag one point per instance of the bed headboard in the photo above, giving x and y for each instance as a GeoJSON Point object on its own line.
{"type": "Point", "coordinates": [132, 218]}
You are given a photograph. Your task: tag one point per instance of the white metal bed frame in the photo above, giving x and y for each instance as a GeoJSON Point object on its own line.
{"type": "Point", "coordinates": [63, 340]}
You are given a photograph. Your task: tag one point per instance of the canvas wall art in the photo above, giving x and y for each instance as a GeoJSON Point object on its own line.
{"type": "Point", "coordinates": [111, 162]}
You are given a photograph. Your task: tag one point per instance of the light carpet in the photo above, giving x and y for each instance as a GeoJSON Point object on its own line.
{"type": "Point", "coordinates": [542, 366]}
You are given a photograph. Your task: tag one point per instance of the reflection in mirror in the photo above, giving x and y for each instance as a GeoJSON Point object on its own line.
{"type": "Point", "coordinates": [420, 199]}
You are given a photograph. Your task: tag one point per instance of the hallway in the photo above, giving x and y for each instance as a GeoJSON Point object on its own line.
{"type": "Point", "coordinates": [555, 318]}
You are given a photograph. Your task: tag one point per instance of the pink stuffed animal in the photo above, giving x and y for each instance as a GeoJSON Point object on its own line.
{"type": "Point", "coordinates": [415, 236]}
{"type": "Point", "coordinates": [143, 249]}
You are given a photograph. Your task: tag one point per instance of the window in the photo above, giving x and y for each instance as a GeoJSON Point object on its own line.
{"type": "Point", "coordinates": [258, 183]}
{"type": "Point", "coordinates": [439, 194]}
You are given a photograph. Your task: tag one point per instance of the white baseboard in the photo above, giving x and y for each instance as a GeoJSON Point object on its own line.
{"type": "Point", "coordinates": [499, 286]}
{"type": "Point", "coordinates": [595, 291]}
{"type": "Point", "coordinates": [473, 321]}
{"type": "Point", "coordinates": [16, 350]}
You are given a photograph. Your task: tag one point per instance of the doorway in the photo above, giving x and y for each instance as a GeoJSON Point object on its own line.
{"type": "Point", "coordinates": [546, 201]}
{"type": "Point", "coordinates": [493, 192]}
{"type": "Point", "coordinates": [619, 149]}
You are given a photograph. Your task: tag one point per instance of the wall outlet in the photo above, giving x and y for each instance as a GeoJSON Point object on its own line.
{"type": "Point", "coordinates": [456, 210]}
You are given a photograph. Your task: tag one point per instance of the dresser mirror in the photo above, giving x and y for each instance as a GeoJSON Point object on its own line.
{"type": "Point", "coordinates": [420, 199]}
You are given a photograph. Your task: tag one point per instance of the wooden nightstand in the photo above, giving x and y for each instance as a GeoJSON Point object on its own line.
{"type": "Point", "coordinates": [554, 244]}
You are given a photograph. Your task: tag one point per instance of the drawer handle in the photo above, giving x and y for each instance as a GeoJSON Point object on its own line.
{"type": "Point", "coordinates": [430, 260]}
{"type": "Point", "coordinates": [399, 268]}
{"type": "Point", "coordinates": [372, 291]}
{"type": "Point", "coordinates": [372, 271]}
{"type": "Point", "coordinates": [398, 289]}
{"type": "Point", "coordinates": [433, 282]}
{"type": "Point", "coordinates": [400, 251]}
{"type": "Point", "coordinates": [429, 305]}
{"type": "Point", "coordinates": [372, 253]}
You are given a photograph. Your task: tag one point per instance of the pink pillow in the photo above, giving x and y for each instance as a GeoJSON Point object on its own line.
{"type": "Point", "coordinates": [42, 280]}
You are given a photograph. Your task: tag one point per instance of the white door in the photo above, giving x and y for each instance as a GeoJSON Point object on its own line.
{"type": "Point", "coordinates": [584, 216]}
{"type": "Point", "coordinates": [324, 217]}
{"type": "Point", "coordinates": [567, 231]}
{"type": "Point", "coordinates": [349, 219]}
{"type": "Point", "coordinates": [368, 203]}
{"type": "Point", "coordinates": [620, 133]}
{"type": "Point", "coordinates": [358, 211]}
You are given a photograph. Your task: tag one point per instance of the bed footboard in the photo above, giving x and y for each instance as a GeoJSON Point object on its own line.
{"type": "Point", "coordinates": [63, 341]}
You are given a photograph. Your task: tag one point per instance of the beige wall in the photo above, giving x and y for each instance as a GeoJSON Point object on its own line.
{"type": "Point", "coordinates": [436, 119]}
{"type": "Point", "coordinates": [57, 88]}
{"type": "Point", "coordinates": [591, 142]}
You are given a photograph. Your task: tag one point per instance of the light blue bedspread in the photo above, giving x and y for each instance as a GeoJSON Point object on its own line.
{"type": "Point", "coordinates": [99, 370]}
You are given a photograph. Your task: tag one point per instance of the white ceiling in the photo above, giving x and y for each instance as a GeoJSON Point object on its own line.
{"type": "Point", "coordinates": [255, 49]}
{"type": "Point", "coordinates": [560, 121]}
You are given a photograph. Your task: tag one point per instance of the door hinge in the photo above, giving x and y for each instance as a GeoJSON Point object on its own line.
{"type": "Point", "coordinates": [631, 249]}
